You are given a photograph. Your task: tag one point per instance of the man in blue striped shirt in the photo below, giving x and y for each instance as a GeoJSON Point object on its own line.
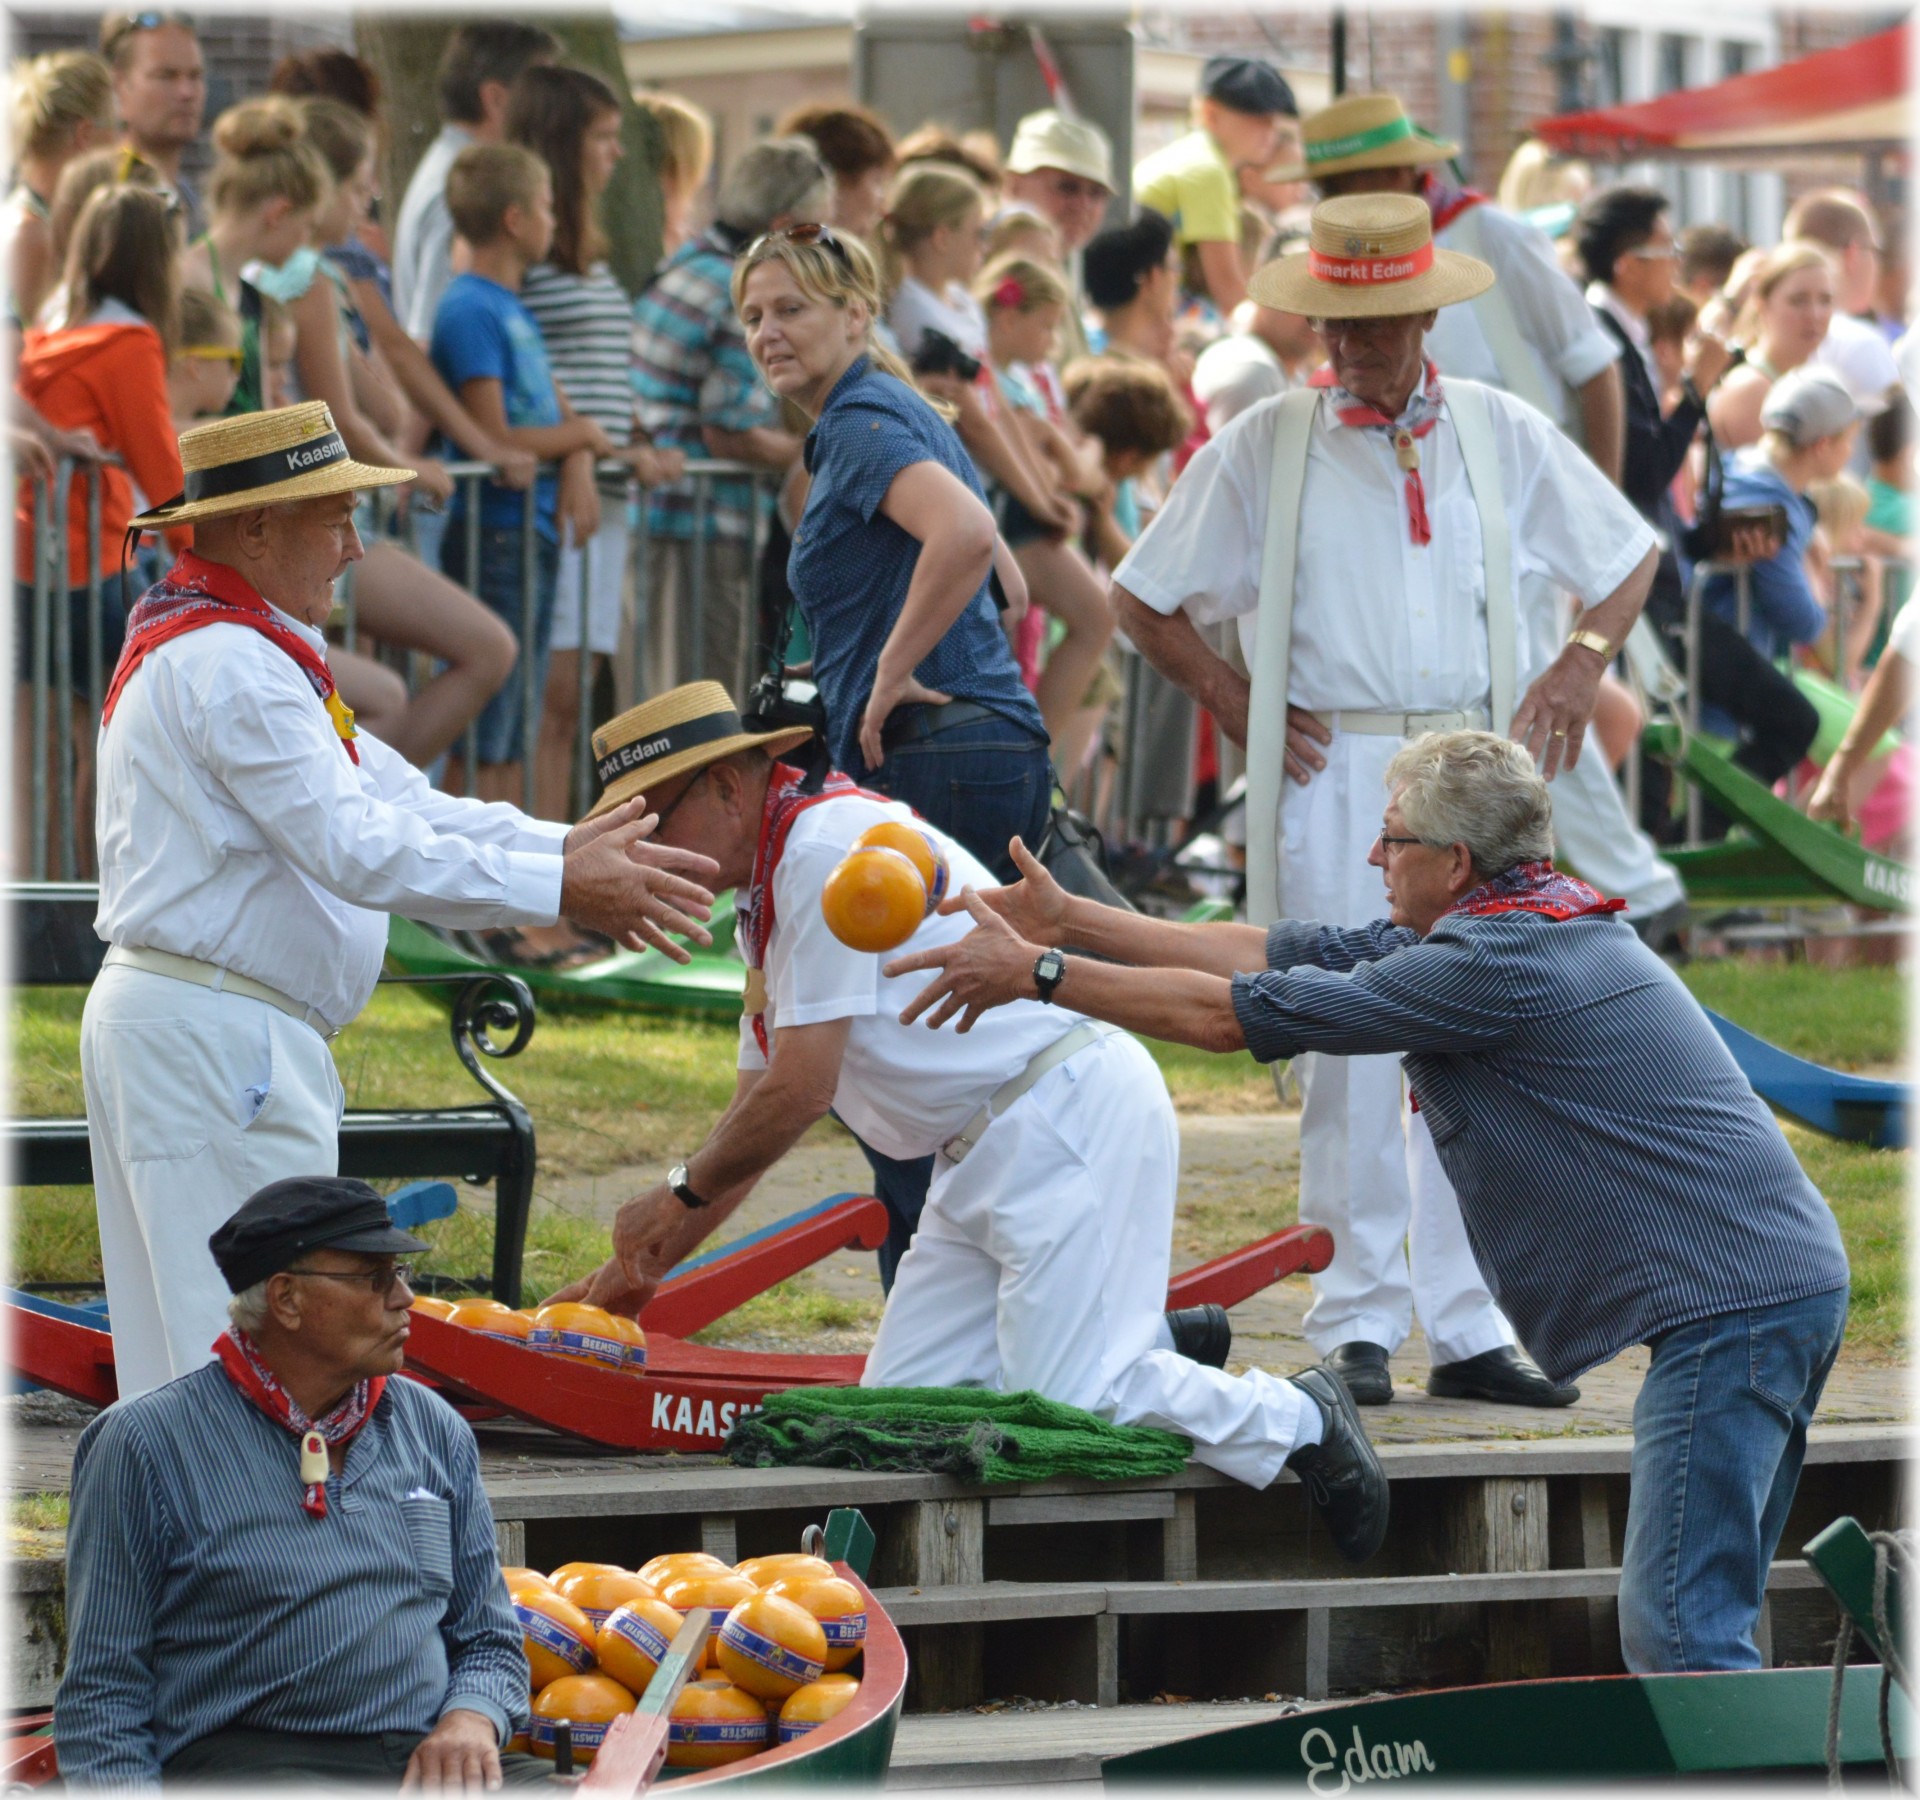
{"type": "Point", "coordinates": [281, 1566]}
{"type": "Point", "coordinates": [1620, 1181]}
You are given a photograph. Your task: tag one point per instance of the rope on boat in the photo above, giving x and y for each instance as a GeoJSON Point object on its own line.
{"type": "Point", "coordinates": [1894, 1554]}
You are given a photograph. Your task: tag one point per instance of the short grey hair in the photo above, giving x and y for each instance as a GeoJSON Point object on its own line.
{"type": "Point", "coordinates": [248, 1308]}
{"type": "Point", "coordinates": [777, 175]}
{"type": "Point", "coordinates": [1474, 788]}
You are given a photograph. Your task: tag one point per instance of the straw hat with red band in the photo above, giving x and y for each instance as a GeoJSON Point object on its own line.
{"type": "Point", "coordinates": [264, 459]}
{"type": "Point", "coordinates": [1369, 256]}
{"type": "Point", "coordinates": [672, 734]}
{"type": "Point", "coordinates": [1366, 131]}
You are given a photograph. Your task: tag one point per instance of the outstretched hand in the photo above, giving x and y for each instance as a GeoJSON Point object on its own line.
{"type": "Point", "coordinates": [1035, 906]}
{"type": "Point", "coordinates": [987, 968]}
{"type": "Point", "coordinates": [635, 892]}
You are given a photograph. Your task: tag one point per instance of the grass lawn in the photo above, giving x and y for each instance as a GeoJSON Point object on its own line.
{"type": "Point", "coordinates": [609, 1088]}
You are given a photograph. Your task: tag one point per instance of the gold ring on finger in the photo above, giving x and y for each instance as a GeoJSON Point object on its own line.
{"type": "Point", "coordinates": [1559, 734]}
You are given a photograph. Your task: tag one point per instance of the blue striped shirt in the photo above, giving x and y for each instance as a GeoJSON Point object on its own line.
{"type": "Point", "coordinates": [1616, 1173]}
{"type": "Point", "coordinates": [200, 1594]}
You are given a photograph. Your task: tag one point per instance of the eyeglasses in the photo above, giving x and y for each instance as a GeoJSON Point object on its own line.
{"type": "Point", "coordinates": [234, 359]}
{"type": "Point", "coordinates": [1388, 842]}
{"type": "Point", "coordinates": [1367, 328]}
{"type": "Point", "coordinates": [381, 1281]}
{"type": "Point", "coordinates": [807, 233]}
{"type": "Point", "coordinates": [675, 804]}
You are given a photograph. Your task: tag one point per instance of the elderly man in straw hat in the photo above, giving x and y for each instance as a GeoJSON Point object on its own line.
{"type": "Point", "coordinates": [251, 845]}
{"type": "Point", "coordinates": [1041, 1259]}
{"type": "Point", "coordinates": [1532, 334]}
{"type": "Point", "coordinates": [1373, 535]}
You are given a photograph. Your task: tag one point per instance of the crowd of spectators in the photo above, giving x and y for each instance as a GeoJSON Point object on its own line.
{"type": "Point", "coordinates": [1081, 351]}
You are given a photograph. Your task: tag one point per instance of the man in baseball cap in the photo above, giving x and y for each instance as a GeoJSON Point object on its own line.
{"type": "Point", "coordinates": [1062, 169]}
{"type": "Point", "coordinates": [1245, 120]}
{"type": "Point", "coordinates": [1808, 421]}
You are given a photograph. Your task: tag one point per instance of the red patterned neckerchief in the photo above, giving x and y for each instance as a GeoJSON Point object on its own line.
{"type": "Point", "coordinates": [195, 592]}
{"type": "Point", "coordinates": [240, 1358]}
{"type": "Point", "coordinates": [753, 910]}
{"type": "Point", "coordinates": [1535, 887]}
{"type": "Point", "coordinates": [1421, 415]}
{"type": "Point", "coordinates": [1446, 200]}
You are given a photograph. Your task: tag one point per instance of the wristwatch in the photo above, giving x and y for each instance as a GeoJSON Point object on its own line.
{"type": "Point", "coordinates": [1592, 640]}
{"type": "Point", "coordinates": [677, 1181]}
{"type": "Point", "coordinates": [1048, 967]}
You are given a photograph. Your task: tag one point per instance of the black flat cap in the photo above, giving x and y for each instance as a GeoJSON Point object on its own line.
{"type": "Point", "coordinates": [305, 1212]}
{"type": "Point", "coordinates": [1247, 85]}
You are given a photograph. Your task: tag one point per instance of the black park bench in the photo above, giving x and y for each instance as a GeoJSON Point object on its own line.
{"type": "Point", "coordinates": [492, 1140]}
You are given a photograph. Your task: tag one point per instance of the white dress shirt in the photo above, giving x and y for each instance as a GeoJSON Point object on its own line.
{"type": "Point", "coordinates": [903, 1089]}
{"type": "Point", "coordinates": [1380, 623]}
{"type": "Point", "coordinates": [1569, 343]}
{"type": "Point", "coordinates": [1234, 373]}
{"type": "Point", "coordinates": [233, 828]}
{"type": "Point", "coordinates": [423, 235]}
{"type": "Point", "coordinates": [1859, 355]}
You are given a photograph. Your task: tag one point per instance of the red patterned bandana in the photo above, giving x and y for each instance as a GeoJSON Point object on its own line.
{"type": "Point", "coordinates": [753, 910]}
{"type": "Point", "coordinates": [195, 592]}
{"type": "Point", "coordinates": [1421, 415]}
{"type": "Point", "coordinates": [240, 1356]}
{"type": "Point", "coordinates": [1535, 887]}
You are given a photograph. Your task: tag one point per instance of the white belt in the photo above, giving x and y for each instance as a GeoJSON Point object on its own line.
{"type": "Point", "coordinates": [1404, 724]}
{"type": "Point", "coordinates": [222, 981]}
{"type": "Point", "coordinates": [1088, 1031]}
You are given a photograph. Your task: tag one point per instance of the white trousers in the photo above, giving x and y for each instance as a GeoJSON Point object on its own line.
{"type": "Point", "coordinates": [1592, 829]}
{"type": "Point", "coordinates": [195, 1101]}
{"type": "Point", "coordinates": [1041, 1263]}
{"type": "Point", "coordinates": [1368, 1171]}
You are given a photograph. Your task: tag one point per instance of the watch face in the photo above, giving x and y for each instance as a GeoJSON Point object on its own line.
{"type": "Point", "coordinates": [677, 1176]}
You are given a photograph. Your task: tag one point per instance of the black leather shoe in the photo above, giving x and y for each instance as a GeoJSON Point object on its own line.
{"type": "Point", "coordinates": [1341, 1474]}
{"type": "Point", "coordinates": [1363, 1367]}
{"type": "Point", "coordinates": [1203, 1334]}
{"type": "Point", "coordinates": [1507, 1375]}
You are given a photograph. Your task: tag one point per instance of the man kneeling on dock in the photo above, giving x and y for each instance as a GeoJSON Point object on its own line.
{"type": "Point", "coordinates": [1620, 1181]}
{"type": "Point", "coordinates": [281, 1566]}
{"type": "Point", "coordinates": [1041, 1260]}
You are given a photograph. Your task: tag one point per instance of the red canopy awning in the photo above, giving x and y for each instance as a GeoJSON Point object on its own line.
{"type": "Point", "coordinates": [1850, 98]}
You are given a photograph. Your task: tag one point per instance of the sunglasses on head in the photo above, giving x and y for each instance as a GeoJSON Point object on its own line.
{"type": "Point", "coordinates": [124, 27]}
{"type": "Point", "coordinates": [803, 234]}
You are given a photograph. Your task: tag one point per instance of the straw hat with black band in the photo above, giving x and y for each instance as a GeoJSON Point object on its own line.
{"type": "Point", "coordinates": [1369, 256]}
{"type": "Point", "coordinates": [264, 459]}
{"type": "Point", "coordinates": [673, 734]}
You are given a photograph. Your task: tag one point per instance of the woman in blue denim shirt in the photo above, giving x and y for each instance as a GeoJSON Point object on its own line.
{"type": "Point", "coordinates": [891, 558]}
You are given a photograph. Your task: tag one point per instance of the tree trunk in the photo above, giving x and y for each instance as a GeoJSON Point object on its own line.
{"type": "Point", "coordinates": [406, 52]}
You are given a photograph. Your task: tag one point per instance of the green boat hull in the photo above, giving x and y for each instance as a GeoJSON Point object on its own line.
{"type": "Point", "coordinates": [711, 983]}
{"type": "Point", "coordinates": [1600, 1728]}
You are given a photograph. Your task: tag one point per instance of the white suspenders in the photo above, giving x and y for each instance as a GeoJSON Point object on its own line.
{"type": "Point", "coordinates": [1267, 704]}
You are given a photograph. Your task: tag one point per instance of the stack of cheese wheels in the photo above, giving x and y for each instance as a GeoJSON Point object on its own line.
{"type": "Point", "coordinates": [432, 1305]}
{"type": "Point", "coordinates": [718, 1590]}
{"type": "Point", "coordinates": [770, 1646]}
{"type": "Point", "coordinates": [808, 1708]}
{"type": "Point", "coordinates": [764, 1571]}
{"type": "Point", "coordinates": [558, 1636]}
{"type": "Point", "coordinates": [629, 1333]}
{"type": "Point", "coordinates": [579, 1333]}
{"type": "Point", "coordinates": [598, 1591]}
{"type": "Point", "coordinates": [588, 1703]}
{"type": "Point", "coordinates": [670, 1566]}
{"type": "Point", "coordinates": [880, 891]}
{"type": "Point", "coordinates": [838, 1605]}
{"type": "Point", "coordinates": [491, 1319]}
{"type": "Point", "coordinates": [714, 1722]}
{"type": "Point", "coordinates": [633, 1640]}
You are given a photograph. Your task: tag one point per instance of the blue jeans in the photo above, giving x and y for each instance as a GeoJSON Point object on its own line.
{"type": "Point", "coordinates": [1719, 1433]}
{"type": "Point", "coordinates": [981, 779]}
{"type": "Point", "coordinates": [498, 729]}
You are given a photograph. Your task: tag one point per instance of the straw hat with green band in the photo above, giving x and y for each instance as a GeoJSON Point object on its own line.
{"type": "Point", "coordinates": [673, 734]}
{"type": "Point", "coordinates": [264, 459]}
{"type": "Point", "coordinates": [1369, 256]}
{"type": "Point", "coordinates": [1367, 131]}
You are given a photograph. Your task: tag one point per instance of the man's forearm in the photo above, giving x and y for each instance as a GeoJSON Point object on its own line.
{"type": "Point", "coordinates": [1172, 645]}
{"type": "Point", "coordinates": [1614, 617]}
{"type": "Point", "coordinates": [1178, 1006]}
{"type": "Point", "coordinates": [1603, 415]}
{"type": "Point", "coordinates": [752, 1136]}
{"type": "Point", "coordinates": [765, 445]}
{"type": "Point", "coordinates": [1144, 942]}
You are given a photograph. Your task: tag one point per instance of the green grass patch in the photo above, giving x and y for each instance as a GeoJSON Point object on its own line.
{"type": "Point", "coordinates": [1867, 1190]}
{"type": "Point", "coordinates": [38, 1512]}
{"type": "Point", "coordinates": [1845, 1018]}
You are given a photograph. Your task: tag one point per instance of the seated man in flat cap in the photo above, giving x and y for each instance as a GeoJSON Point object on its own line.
{"type": "Point", "coordinates": [281, 1566]}
{"type": "Point", "coordinates": [252, 844]}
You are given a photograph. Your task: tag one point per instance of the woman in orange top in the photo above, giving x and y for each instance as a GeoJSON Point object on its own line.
{"type": "Point", "coordinates": [104, 373]}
